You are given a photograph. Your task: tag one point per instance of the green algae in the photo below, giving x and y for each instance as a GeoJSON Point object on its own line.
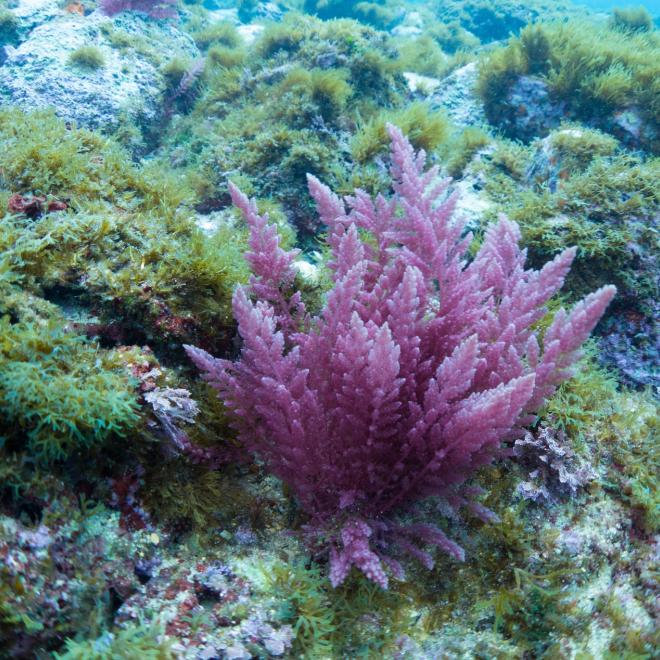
{"type": "Point", "coordinates": [60, 392]}
{"type": "Point", "coordinates": [494, 20]}
{"type": "Point", "coordinates": [379, 14]}
{"type": "Point", "coordinates": [424, 128]}
{"type": "Point", "coordinates": [631, 19]}
{"type": "Point", "coordinates": [306, 605]}
{"type": "Point", "coordinates": [452, 37]}
{"type": "Point", "coordinates": [357, 619]}
{"type": "Point", "coordinates": [218, 34]}
{"type": "Point", "coordinates": [284, 116]}
{"type": "Point", "coordinates": [595, 70]}
{"type": "Point", "coordinates": [225, 57]}
{"type": "Point", "coordinates": [461, 148]}
{"type": "Point", "coordinates": [87, 57]}
{"type": "Point", "coordinates": [423, 56]}
{"type": "Point", "coordinates": [137, 641]}
{"type": "Point", "coordinates": [602, 202]}
{"type": "Point", "coordinates": [126, 246]}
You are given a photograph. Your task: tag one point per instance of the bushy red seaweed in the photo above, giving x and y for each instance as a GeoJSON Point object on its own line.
{"type": "Point", "coordinates": [420, 364]}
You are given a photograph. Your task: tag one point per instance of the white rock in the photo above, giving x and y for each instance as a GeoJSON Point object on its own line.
{"type": "Point", "coordinates": [457, 96]}
{"type": "Point", "coordinates": [227, 15]}
{"type": "Point", "coordinates": [38, 74]}
{"type": "Point", "coordinates": [407, 31]}
{"type": "Point", "coordinates": [35, 12]}
{"type": "Point", "coordinates": [250, 32]}
{"type": "Point", "coordinates": [417, 83]}
{"type": "Point", "coordinates": [309, 272]}
{"type": "Point", "coordinates": [237, 652]}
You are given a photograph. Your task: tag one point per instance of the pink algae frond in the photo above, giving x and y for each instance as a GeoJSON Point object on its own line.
{"type": "Point", "coordinates": [419, 365]}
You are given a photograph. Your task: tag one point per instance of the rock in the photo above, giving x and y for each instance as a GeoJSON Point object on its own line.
{"type": "Point", "coordinates": [532, 112]}
{"type": "Point", "coordinates": [210, 223]}
{"type": "Point", "coordinates": [630, 342]}
{"type": "Point", "coordinates": [32, 13]}
{"type": "Point", "coordinates": [546, 165]}
{"type": "Point", "coordinates": [224, 15]}
{"type": "Point", "coordinates": [262, 11]}
{"type": "Point", "coordinates": [472, 203]}
{"type": "Point", "coordinates": [456, 95]}
{"type": "Point", "coordinates": [629, 125]}
{"type": "Point", "coordinates": [415, 19]}
{"type": "Point", "coordinates": [245, 536]}
{"type": "Point", "coordinates": [411, 26]}
{"type": "Point", "coordinates": [237, 652]}
{"type": "Point", "coordinates": [407, 31]}
{"type": "Point", "coordinates": [277, 642]}
{"type": "Point", "coordinates": [529, 111]}
{"type": "Point", "coordinates": [208, 653]}
{"type": "Point", "coordinates": [37, 539]}
{"type": "Point", "coordinates": [215, 581]}
{"type": "Point", "coordinates": [128, 86]}
{"type": "Point", "coordinates": [309, 272]}
{"type": "Point", "coordinates": [269, 11]}
{"type": "Point", "coordinates": [417, 83]}
{"type": "Point", "coordinates": [250, 32]}
{"type": "Point", "coordinates": [144, 568]}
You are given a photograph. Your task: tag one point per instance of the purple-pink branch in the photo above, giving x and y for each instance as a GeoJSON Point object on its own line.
{"type": "Point", "coordinates": [419, 365]}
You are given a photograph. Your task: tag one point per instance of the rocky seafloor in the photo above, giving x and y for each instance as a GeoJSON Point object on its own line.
{"type": "Point", "coordinates": [133, 523]}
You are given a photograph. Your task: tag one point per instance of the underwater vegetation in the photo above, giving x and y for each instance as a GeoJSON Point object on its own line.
{"type": "Point", "coordinates": [590, 72]}
{"type": "Point", "coordinates": [380, 14]}
{"type": "Point", "coordinates": [141, 517]}
{"type": "Point", "coordinates": [143, 641]}
{"type": "Point", "coordinates": [311, 97]}
{"type": "Point", "coordinates": [425, 129]}
{"type": "Point", "coordinates": [121, 245]}
{"type": "Point", "coordinates": [631, 19]}
{"type": "Point", "coordinates": [490, 21]}
{"type": "Point", "coordinates": [442, 390]}
{"type": "Point", "coordinates": [579, 187]}
{"type": "Point", "coordinates": [582, 187]}
{"type": "Point", "coordinates": [87, 57]}
{"type": "Point", "coordinates": [324, 619]}
{"type": "Point", "coordinates": [50, 384]}
{"type": "Point", "coordinates": [98, 255]}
